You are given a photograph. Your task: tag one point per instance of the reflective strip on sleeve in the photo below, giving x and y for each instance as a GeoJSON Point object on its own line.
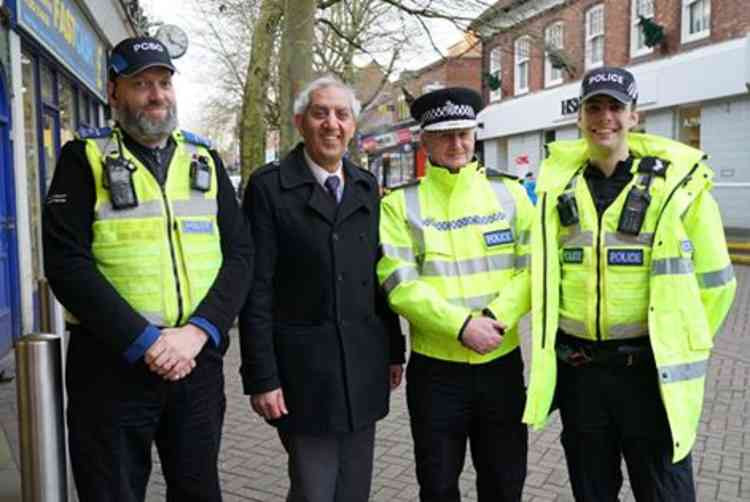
{"type": "Point", "coordinates": [473, 302]}
{"type": "Point", "coordinates": [672, 266]}
{"type": "Point", "coordinates": [197, 205]}
{"type": "Point", "coordinates": [414, 217]}
{"type": "Point", "coordinates": [506, 201]}
{"type": "Point", "coordinates": [401, 274]}
{"type": "Point", "coordinates": [621, 239]}
{"type": "Point", "coordinates": [468, 267]}
{"type": "Point", "coordinates": [715, 279]}
{"type": "Point", "coordinates": [149, 209]}
{"type": "Point", "coordinates": [577, 238]}
{"type": "Point", "coordinates": [682, 372]}
{"type": "Point", "coordinates": [402, 253]}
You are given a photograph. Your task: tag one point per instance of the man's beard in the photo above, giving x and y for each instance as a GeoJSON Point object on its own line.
{"type": "Point", "coordinates": [138, 125]}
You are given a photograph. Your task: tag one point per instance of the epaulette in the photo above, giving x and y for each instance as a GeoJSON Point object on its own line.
{"type": "Point", "coordinates": [266, 168]}
{"type": "Point", "coordinates": [404, 185]}
{"type": "Point", "coordinates": [93, 132]}
{"type": "Point", "coordinates": [492, 173]}
{"type": "Point", "coordinates": [654, 166]}
{"type": "Point", "coordinates": [196, 139]}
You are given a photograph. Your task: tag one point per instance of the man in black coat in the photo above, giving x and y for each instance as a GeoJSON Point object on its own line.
{"type": "Point", "coordinates": [320, 348]}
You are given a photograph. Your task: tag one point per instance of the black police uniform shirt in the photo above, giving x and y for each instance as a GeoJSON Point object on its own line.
{"type": "Point", "coordinates": [604, 190]}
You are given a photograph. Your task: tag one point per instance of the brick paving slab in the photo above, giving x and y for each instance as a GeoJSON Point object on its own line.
{"type": "Point", "coordinates": [253, 467]}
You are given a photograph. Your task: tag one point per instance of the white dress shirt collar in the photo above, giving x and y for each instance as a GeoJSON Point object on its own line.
{"type": "Point", "coordinates": [321, 174]}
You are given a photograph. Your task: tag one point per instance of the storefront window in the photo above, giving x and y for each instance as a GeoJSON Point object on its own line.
{"type": "Point", "coordinates": [48, 83]}
{"type": "Point", "coordinates": [50, 150]}
{"type": "Point", "coordinates": [83, 109]}
{"type": "Point", "coordinates": [28, 81]}
{"type": "Point", "coordinates": [690, 126]}
{"type": "Point", "coordinates": [67, 110]}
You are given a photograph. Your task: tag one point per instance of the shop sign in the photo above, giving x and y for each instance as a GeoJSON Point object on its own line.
{"type": "Point", "coordinates": [386, 140]}
{"type": "Point", "coordinates": [61, 27]}
{"type": "Point", "coordinates": [569, 106]}
{"type": "Point", "coordinates": [404, 135]}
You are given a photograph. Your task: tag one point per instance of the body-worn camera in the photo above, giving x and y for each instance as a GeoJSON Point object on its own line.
{"type": "Point", "coordinates": [200, 174]}
{"type": "Point", "coordinates": [634, 211]}
{"type": "Point", "coordinates": [118, 174]}
{"type": "Point", "coordinates": [567, 209]}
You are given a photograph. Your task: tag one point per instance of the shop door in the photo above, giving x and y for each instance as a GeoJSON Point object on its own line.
{"type": "Point", "coordinates": [8, 275]}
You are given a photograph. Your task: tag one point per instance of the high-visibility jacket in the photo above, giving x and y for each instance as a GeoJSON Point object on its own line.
{"type": "Point", "coordinates": [678, 296]}
{"type": "Point", "coordinates": [453, 245]}
{"type": "Point", "coordinates": [163, 255]}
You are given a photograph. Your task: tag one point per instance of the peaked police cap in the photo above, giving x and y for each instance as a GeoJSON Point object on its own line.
{"type": "Point", "coordinates": [133, 55]}
{"type": "Point", "coordinates": [449, 108]}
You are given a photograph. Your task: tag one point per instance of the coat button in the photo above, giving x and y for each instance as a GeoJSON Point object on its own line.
{"type": "Point", "coordinates": [335, 236]}
{"type": "Point", "coordinates": [340, 277]}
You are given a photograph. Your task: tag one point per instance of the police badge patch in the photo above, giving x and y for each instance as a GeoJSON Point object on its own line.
{"type": "Point", "coordinates": [197, 227]}
{"type": "Point", "coordinates": [572, 255]}
{"type": "Point", "coordinates": [625, 257]}
{"type": "Point", "coordinates": [498, 237]}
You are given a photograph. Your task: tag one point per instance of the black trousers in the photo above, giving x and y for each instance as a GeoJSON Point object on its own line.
{"type": "Point", "coordinates": [452, 402]}
{"type": "Point", "coordinates": [116, 412]}
{"type": "Point", "coordinates": [615, 411]}
{"type": "Point", "coordinates": [330, 467]}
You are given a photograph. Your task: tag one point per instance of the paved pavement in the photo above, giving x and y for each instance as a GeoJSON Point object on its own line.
{"type": "Point", "coordinates": [253, 466]}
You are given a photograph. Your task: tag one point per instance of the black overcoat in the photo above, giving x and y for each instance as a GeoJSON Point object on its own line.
{"type": "Point", "coordinates": [316, 323]}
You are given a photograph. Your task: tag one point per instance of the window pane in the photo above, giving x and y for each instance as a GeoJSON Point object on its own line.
{"type": "Point", "coordinates": [597, 55]}
{"type": "Point", "coordinates": [699, 16]}
{"type": "Point", "coordinates": [495, 60]}
{"type": "Point", "coordinates": [47, 80]}
{"type": "Point", "coordinates": [67, 110]}
{"type": "Point", "coordinates": [83, 109]}
{"type": "Point", "coordinates": [690, 126]}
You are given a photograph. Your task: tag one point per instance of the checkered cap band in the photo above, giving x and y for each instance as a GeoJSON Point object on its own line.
{"type": "Point", "coordinates": [449, 111]}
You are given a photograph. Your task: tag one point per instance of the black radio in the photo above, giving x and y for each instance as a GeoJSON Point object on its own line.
{"type": "Point", "coordinates": [634, 211]}
{"type": "Point", "coordinates": [200, 174]}
{"type": "Point", "coordinates": [567, 209]}
{"type": "Point", "coordinates": [118, 177]}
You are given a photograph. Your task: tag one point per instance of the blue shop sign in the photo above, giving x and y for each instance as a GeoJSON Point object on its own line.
{"type": "Point", "coordinates": [61, 27]}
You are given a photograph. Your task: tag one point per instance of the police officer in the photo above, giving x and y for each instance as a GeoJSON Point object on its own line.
{"type": "Point", "coordinates": [455, 265]}
{"type": "Point", "coordinates": [631, 279]}
{"type": "Point", "coordinates": [147, 250]}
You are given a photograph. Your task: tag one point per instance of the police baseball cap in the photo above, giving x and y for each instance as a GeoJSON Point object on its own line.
{"type": "Point", "coordinates": [136, 54]}
{"type": "Point", "coordinates": [445, 109]}
{"type": "Point", "coordinates": [615, 82]}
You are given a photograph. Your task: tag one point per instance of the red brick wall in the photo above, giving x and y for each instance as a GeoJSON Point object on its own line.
{"type": "Point", "coordinates": [729, 19]}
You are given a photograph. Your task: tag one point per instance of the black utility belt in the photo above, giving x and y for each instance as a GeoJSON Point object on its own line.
{"type": "Point", "coordinates": [578, 352]}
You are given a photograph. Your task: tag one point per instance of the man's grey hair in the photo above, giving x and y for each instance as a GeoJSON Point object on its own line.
{"type": "Point", "coordinates": [302, 101]}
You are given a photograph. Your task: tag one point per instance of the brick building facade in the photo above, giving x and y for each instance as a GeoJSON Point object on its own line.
{"type": "Point", "coordinates": [693, 81]}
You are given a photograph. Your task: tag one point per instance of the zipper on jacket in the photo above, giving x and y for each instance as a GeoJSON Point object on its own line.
{"type": "Point", "coordinates": [170, 224]}
{"type": "Point", "coordinates": [598, 276]}
{"type": "Point", "coordinates": [544, 269]}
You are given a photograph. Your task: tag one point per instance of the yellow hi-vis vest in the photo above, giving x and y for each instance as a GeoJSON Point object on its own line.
{"type": "Point", "coordinates": [453, 245]}
{"type": "Point", "coordinates": [686, 284]}
{"type": "Point", "coordinates": [163, 255]}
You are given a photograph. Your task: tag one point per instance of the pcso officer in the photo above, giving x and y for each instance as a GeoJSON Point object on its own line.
{"type": "Point", "coordinates": [147, 250]}
{"type": "Point", "coordinates": [631, 279]}
{"type": "Point", "coordinates": [455, 265]}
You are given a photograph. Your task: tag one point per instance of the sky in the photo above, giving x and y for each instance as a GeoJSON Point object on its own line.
{"type": "Point", "coordinates": [191, 85]}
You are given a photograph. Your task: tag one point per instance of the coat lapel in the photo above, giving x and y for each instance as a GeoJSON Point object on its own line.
{"type": "Point", "coordinates": [356, 190]}
{"type": "Point", "coordinates": [295, 173]}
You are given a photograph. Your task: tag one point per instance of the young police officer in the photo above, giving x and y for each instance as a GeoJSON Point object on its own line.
{"type": "Point", "coordinates": [455, 265]}
{"type": "Point", "coordinates": [631, 279]}
{"type": "Point", "coordinates": [148, 251]}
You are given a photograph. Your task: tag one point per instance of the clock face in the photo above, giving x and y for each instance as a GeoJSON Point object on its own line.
{"type": "Point", "coordinates": [174, 38]}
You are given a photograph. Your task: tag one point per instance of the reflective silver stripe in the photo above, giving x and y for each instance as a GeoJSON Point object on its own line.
{"type": "Point", "coordinates": [195, 206]}
{"type": "Point", "coordinates": [578, 238]}
{"type": "Point", "coordinates": [468, 267]}
{"type": "Point", "coordinates": [621, 239]}
{"type": "Point", "coordinates": [506, 201]}
{"type": "Point", "coordinates": [155, 318]}
{"type": "Point", "coordinates": [398, 276]}
{"type": "Point", "coordinates": [524, 238]}
{"type": "Point", "coordinates": [671, 266]}
{"type": "Point", "coordinates": [150, 209]}
{"type": "Point", "coordinates": [682, 372]}
{"type": "Point", "coordinates": [191, 148]}
{"type": "Point", "coordinates": [474, 302]}
{"type": "Point", "coordinates": [634, 330]}
{"type": "Point", "coordinates": [414, 217]}
{"type": "Point", "coordinates": [523, 261]}
{"type": "Point", "coordinates": [104, 143]}
{"type": "Point", "coordinates": [717, 278]}
{"type": "Point", "coordinates": [572, 326]}
{"type": "Point", "coordinates": [403, 253]}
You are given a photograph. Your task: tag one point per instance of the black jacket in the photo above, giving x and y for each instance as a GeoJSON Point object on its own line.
{"type": "Point", "coordinates": [316, 323]}
{"type": "Point", "coordinates": [77, 283]}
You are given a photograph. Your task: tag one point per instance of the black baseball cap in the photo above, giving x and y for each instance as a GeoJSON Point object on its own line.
{"type": "Point", "coordinates": [136, 54]}
{"type": "Point", "coordinates": [448, 108]}
{"type": "Point", "coordinates": [618, 83]}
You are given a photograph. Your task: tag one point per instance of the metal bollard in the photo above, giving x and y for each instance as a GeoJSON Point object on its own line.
{"type": "Point", "coordinates": [40, 417]}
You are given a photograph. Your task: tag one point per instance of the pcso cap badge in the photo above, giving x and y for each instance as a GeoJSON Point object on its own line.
{"type": "Point", "coordinates": [134, 55]}
{"type": "Point", "coordinates": [444, 109]}
{"type": "Point", "coordinates": [614, 82]}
